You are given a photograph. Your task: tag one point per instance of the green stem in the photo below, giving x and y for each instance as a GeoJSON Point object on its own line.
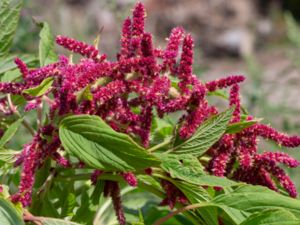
{"type": "Point", "coordinates": [25, 123]}
{"type": "Point", "coordinates": [178, 211]}
{"type": "Point", "coordinates": [158, 146]}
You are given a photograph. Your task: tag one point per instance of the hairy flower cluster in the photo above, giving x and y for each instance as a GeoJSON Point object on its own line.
{"type": "Point", "coordinates": [127, 94]}
{"type": "Point", "coordinates": [242, 149]}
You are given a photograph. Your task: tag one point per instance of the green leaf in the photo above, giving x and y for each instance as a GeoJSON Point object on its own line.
{"type": "Point", "coordinates": [84, 94]}
{"type": "Point", "coordinates": [8, 156]}
{"type": "Point", "coordinates": [181, 166]}
{"type": "Point", "coordinates": [252, 199]}
{"type": "Point", "coordinates": [68, 205]}
{"type": "Point", "coordinates": [9, 215]}
{"type": "Point", "coordinates": [194, 193]}
{"type": "Point", "coordinates": [9, 18]}
{"type": "Point", "coordinates": [293, 30]}
{"type": "Point", "coordinates": [10, 132]}
{"type": "Point", "coordinates": [206, 135]}
{"type": "Point", "coordinates": [240, 126]}
{"type": "Point", "coordinates": [46, 47]}
{"type": "Point", "coordinates": [189, 169]}
{"type": "Point", "coordinates": [161, 130]}
{"type": "Point", "coordinates": [96, 195]}
{"type": "Point", "coordinates": [54, 221]}
{"type": "Point", "coordinates": [11, 75]}
{"type": "Point", "coordinates": [7, 63]}
{"type": "Point", "coordinates": [272, 217]}
{"type": "Point", "coordinates": [99, 146]}
{"type": "Point", "coordinates": [40, 89]}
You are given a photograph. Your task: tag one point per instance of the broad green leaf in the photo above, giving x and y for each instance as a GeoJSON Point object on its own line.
{"type": "Point", "coordinates": [99, 146]}
{"type": "Point", "coordinates": [251, 199]}
{"type": "Point", "coordinates": [7, 63]}
{"type": "Point", "coordinates": [8, 156]}
{"type": "Point", "coordinates": [9, 18]}
{"type": "Point", "coordinates": [10, 132]}
{"type": "Point", "coordinates": [46, 47]}
{"type": "Point", "coordinates": [189, 169]}
{"type": "Point", "coordinates": [9, 215]}
{"type": "Point", "coordinates": [272, 217]}
{"type": "Point", "coordinates": [40, 89]}
{"type": "Point", "coordinates": [54, 221]}
{"type": "Point", "coordinates": [206, 135]}
{"type": "Point", "coordinates": [240, 126]}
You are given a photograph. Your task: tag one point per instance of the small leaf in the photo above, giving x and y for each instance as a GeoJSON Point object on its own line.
{"type": "Point", "coordinates": [9, 215]}
{"type": "Point", "coordinates": [206, 135]}
{"type": "Point", "coordinates": [240, 126]}
{"type": "Point", "coordinates": [96, 195]}
{"type": "Point", "coordinates": [272, 216]}
{"type": "Point", "coordinates": [69, 205]}
{"type": "Point", "coordinates": [9, 18]}
{"type": "Point", "coordinates": [8, 156]}
{"type": "Point", "coordinates": [98, 145]}
{"type": "Point", "coordinates": [40, 89]}
{"type": "Point", "coordinates": [7, 63]}
{"type": "Point", "coordinates": [84, 94]}
{"type": "Point", "coordinates": [46, 47]}
{"type": "Point", "coordinates": [10, 132]}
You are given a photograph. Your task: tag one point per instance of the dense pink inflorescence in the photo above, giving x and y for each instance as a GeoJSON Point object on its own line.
{"type": "Point", "coordinates": [127, 94]}
{"type": "Point", "coordinates": [80, 47]}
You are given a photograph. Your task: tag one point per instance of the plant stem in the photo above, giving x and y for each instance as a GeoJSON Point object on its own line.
{"type": "Point", "coordinates": [178, 211]}
{"type": "Point", "coordinates": [160, 145]}
{"type": "Point", "coordinates": [16, 113]}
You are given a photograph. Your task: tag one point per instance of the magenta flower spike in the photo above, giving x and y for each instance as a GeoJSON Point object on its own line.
{"type": "Point", "coordinates": [22, 67]}
{"type": "Point", "coordinates": [82, 48]}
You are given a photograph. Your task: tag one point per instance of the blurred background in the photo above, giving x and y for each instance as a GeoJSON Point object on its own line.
{"type": "Point", "coordinates": [259, 39]}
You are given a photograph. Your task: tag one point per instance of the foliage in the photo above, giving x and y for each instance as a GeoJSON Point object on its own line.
{"type": "Point", "coordinates": [107, 130]}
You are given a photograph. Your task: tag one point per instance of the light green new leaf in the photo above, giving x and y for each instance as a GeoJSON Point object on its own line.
{"type": "Point", "coordinates": [8, 156]}
{"type": "Point", "coordinates": [46, 47]}
{"type": "Point", "coordinates": [206, 135]}
{"type": "Point", "coordinates": [272, 217]}
{"type": "Point", "coordinates": [9, 18]}
{"type": "Point", "coordinates": [240, 126]}
{"type": "Point", "coordinates": [99, 146]}
{"type": "Point", "coordinates": [40, 89]}
{"type": "Point", "coordinates": [84, 94]}
{"type": "Point", "coordinates": [10, 132]}
{"type": "Point", "coordinates": [9, 215]}
{"type": "Point", "coordinates": [7, 63]}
